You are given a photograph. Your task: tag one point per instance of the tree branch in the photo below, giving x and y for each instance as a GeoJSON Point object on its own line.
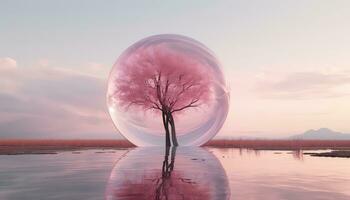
{"type": "Point", "coordinates": [191, 104]}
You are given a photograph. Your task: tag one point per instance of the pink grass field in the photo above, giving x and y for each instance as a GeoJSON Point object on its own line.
{"type": "Point", "coordinates": [23, 145]}
{"type": "Point", "coordinates": [281, 144]}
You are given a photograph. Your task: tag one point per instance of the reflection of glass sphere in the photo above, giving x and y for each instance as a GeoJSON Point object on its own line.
{"type": "Point", "coordinates": [189, 80]}
{"type": "Point", "coordinates": [192, 173]}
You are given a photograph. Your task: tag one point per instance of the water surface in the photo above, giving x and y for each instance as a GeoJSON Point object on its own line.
{"type": "Point", "coordinates": [182, 173]}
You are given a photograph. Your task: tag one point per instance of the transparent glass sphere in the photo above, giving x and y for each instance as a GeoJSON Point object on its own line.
{"type": "Point", "coordinates": [172, 73]}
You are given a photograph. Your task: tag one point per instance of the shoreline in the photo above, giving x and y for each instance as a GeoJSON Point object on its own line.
{"type": "Point", "coordinates": [282, 145]}
{"type": "Point", "coordinates": [30, 146]}
{"type": "Point", "coordinates": [340, 148]}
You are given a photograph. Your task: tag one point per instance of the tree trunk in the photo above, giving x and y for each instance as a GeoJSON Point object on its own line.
{"type": "Point", "coordinates": [166, 127]}
{"type": "Point", "coordinates": [173, 131]}
{"type": "Point", "coordinates": [167, 167]}
{"type": "Point", "coordinates": [172, 161]}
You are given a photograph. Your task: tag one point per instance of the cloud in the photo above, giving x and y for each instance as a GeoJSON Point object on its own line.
{"type": "Point", "coordinates": [8, 69]}
{"type": "Point", "coordinates": [304, 85]}
{"type": "Point", "coordinates": [47, 102]}
{"type": "Point", "coordinates": [7, 64]}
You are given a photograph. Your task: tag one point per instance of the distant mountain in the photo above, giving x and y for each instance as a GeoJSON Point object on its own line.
{"type": "Point", "coordinates": [322, 134]}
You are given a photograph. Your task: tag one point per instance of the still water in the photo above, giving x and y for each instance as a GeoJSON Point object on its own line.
{"type": "Point", "coordinates": [181, 173]}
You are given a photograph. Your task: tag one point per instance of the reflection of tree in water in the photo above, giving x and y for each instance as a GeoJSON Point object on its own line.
{"type": "Point", "coordinates": [249, 151]}
{"type": "Point", "coordinates": [298, 154]}
{"type": "Point", "coordinates": [163, 182]}
{"type": "Point", "coordinates": [169, 184]}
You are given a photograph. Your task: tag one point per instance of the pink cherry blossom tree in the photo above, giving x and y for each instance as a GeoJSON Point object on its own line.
{"type": "Point", "coordinates": [162, 80]}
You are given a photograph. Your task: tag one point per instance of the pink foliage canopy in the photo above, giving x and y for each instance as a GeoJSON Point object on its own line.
{"type": "Point", "coordinates": [159, 78]}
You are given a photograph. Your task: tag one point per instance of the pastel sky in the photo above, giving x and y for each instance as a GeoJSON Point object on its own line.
{"type": "Point", "coordinates": [287, 62]}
